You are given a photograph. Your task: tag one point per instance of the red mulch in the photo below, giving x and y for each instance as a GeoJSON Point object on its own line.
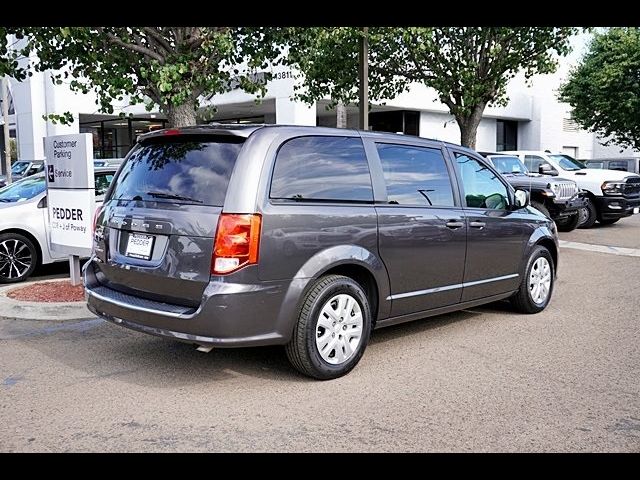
{"type": "Point", "coordinates": [61, 291]}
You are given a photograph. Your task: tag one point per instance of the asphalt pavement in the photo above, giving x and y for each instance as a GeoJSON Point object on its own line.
{"type": "Point", "coordinates": [484, 379]}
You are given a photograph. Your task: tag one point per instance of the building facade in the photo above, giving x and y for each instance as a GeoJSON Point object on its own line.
{"type": "Point", "coordinates": [533, 119]}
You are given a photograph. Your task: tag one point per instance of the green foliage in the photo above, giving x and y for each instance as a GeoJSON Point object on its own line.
{"type": "Point", "coordinates": [9, 56]}
{"type": "Point", "coordinates": [469, 67]}
{"type": "Point", "coordinates": [168, 67]}
{"type": "Point", "coordinates": [604, 89]}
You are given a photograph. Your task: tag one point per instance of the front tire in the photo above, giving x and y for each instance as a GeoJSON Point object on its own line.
{"type": "Point", "coordinates": [333, 328]}
{"type": "Point", "coordinates": [541, 207]}
{"type": "Point", "coordinates": [568, 224]}
{"type": "Point", "coordinates": [18, 258]}
{"type": "Point", "coordinates": [588, 214]}
{"type": "Point", "coordinates": [537, 284]}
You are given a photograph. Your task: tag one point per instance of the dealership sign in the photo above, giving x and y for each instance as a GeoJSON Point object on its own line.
{"type": "Point", "coordinates": [70, 193]}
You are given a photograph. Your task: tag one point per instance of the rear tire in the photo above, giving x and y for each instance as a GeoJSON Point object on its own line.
{"type": "Point", "coordinates": [332, 330]}
{"type": "Point", "coordinates": [536, 288]}
{"type": "Point", "coordinates": [608, 221]}
{"type": "Point", "coordinates": [569, 223]}
{"type": "Point", "coordinates": [541, 207]}
{"type": "Point", "coordinates": [590, 214]}
{"type": "Point", "coordinates": [18, 258]}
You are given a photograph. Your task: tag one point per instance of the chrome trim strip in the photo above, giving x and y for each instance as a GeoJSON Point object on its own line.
{"type": "Point", "coordinates": [488, 280]}
{"type": "Point", "coordinates": [428, 291]}
{"type": "Point", "coordinates": [398, 296]}
{"type": "Point", "coordinates": [135, 307]}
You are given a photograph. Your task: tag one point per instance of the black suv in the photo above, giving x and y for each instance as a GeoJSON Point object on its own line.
{"type": "Point", "coordinates": [559, 199]}
{"type": "Point", "coordinates": [309, 237]}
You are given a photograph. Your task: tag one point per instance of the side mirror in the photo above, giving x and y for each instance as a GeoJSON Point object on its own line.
{"type": "Point", "coordinates": [521, 198]}
{"type": "Point", "coordinates": [43, 202]}
{"type": "Point", "coordinates": [546, 169]}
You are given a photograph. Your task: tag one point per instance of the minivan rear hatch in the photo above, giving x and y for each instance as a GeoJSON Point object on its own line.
{"type": "Point", "coordinates": [159, 220]}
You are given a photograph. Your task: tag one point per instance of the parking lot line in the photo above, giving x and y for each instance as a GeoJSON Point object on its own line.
{"type": "Point", "coordinates": [629, 252]}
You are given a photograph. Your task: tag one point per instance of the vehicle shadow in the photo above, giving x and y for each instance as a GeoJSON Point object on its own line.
{"type": "Point", "coordinates": [95, 350]}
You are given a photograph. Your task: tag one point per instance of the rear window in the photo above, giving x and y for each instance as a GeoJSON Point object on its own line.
{"type": "Point", "coordinates": [322, 169]}
{"type": "Point", "coordinates": [183, 170]}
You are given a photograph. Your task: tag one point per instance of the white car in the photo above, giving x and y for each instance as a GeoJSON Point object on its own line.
{"type": "Point", "coordinates": [612, 194]}
{"type": "Point", "coordinates": [24, 224]}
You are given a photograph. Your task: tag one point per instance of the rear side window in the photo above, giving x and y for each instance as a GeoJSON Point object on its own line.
{"type": "Point", "coordinates": [415, 175]}
{"type": "Point", "coordinates": [183, 170]}
{"type": "Point", "coordinates": [322, 168]}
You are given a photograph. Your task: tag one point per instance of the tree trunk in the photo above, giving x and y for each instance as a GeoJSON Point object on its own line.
{"type": "Point", "coordinates": [469, 126]}
{"type": "Point", "coordinates": [341, 115]}
{"type": "Point", "coordinates": [182, 115]}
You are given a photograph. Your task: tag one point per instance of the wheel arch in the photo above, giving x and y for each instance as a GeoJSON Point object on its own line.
{"type": "Point", "coordinates": [353, 261]}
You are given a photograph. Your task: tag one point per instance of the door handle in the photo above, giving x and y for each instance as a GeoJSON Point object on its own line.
{"type": "Point", "coordinates": [479, 225]}
{"type": "Point", "coordinates": [453, 224]}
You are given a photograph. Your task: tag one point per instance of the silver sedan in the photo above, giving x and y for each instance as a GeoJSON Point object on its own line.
{"type": "Point", "coordinates": [24, 225]}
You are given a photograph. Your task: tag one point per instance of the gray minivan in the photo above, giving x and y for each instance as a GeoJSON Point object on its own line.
{"type": "Point", "coordinates": [309, 237]}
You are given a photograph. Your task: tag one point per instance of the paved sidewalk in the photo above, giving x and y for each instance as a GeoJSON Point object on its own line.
{"type": "Point", "coordinates": [45, 311]}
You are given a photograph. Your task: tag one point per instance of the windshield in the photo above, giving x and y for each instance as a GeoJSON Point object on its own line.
{"type": "Point", "coordinates": [184, 170]}
{"type": "Point", "coordinates": [22, 190]}
{"type": "Point", "coordinates": [568, 163]}
{"type": "Point", "coordinates": [505, 164]}
{"type": "Point", "coordinates": [19, 168]}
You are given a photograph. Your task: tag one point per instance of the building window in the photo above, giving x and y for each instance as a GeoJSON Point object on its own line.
{"type": "Point", "coordinates": [506, 135]}
{"type": "Point", "coordinates": [396, 121]}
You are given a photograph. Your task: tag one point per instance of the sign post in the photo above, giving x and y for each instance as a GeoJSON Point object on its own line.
{"type": "Point", "coordinates": [70, 197]}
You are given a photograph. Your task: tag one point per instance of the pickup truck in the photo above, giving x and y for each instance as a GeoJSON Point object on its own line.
{"type": "Point", "coordinates": [559, 199]}
{"type": "Point", "coordinates": [611, 194]}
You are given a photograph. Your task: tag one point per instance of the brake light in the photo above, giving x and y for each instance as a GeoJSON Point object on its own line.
{"type": "Point", "coordinates": [95, 219]}
{"type": "Point", "coordinates": [172, 131]}
{"type": "Point", "coordinates": [236, 243]}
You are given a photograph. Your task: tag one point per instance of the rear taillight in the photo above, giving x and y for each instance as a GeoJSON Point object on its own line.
{"type": "Point", "coordinates": [95, 219]}
{"type": "Point", "coordinates": [237, 242]}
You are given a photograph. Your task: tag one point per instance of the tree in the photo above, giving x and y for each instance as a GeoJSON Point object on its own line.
{"type": "Point", "coordinates": [168, 67]}
{"type": "Point", "coordinates": [468, 67]}
{"type": "Point", "coordinates": [604, 89]}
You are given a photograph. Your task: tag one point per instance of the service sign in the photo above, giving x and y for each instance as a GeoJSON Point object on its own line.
{"type": "Point", "coordinates": [70, 193]}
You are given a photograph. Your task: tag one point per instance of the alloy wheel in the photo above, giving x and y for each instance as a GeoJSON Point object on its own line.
{"type": "Point", "coordinates": [15, 259]}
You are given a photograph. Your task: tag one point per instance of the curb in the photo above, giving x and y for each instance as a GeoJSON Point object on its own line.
{"type": "Point", "coordinates": [11, 309]}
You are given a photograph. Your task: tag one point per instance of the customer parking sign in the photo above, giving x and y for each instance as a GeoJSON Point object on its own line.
{"type": "Point", "coordinates": [70, 193]}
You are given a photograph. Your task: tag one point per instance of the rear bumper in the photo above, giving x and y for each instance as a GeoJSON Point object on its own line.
{"type": "Point", "coordinates": [615, 207]}
{"type": "Point", "coordinates": [229, 315]}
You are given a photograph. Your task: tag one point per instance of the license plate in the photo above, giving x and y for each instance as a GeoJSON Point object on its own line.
{"type": "Point", "coordinates": [636, 210]}
{"type": "Point", "coordinates": [139, 246]}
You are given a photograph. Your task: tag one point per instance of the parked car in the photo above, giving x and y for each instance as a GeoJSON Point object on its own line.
{"type": "Point", "coordinates": [188, 243]}
{"type": "Point", "coordinates": [623, 164]}
{"type": "Point", "coordinates": [611, 194]}
{"type": "Point", "coordinates": [24, 225]}
{"type": "Point", "coordinates": [559, 199]}
{"type": "Point", "coordinates": [107, 162]}
{"type": "Point", "coordinates": [21, 169]}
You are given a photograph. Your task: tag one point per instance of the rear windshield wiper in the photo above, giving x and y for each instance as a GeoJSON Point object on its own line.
{"type": "Point", "coordinates": [173, 196]}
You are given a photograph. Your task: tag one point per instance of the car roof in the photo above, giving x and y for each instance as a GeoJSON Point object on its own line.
{"type": "Point", "coordinates": [246, 129]}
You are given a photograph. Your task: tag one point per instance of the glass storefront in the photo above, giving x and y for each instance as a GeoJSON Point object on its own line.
{"type": "Point", "coordinates": [113, 138]}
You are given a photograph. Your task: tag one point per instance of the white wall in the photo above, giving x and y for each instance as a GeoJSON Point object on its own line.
{"type": "Point", "coordinates": [440, 126]}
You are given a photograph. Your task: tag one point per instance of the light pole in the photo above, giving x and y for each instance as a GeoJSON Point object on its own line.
{"type": "Point", "coordinates": [363, 73]}
{"type": "Point", "coordinates": [5, 127]}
